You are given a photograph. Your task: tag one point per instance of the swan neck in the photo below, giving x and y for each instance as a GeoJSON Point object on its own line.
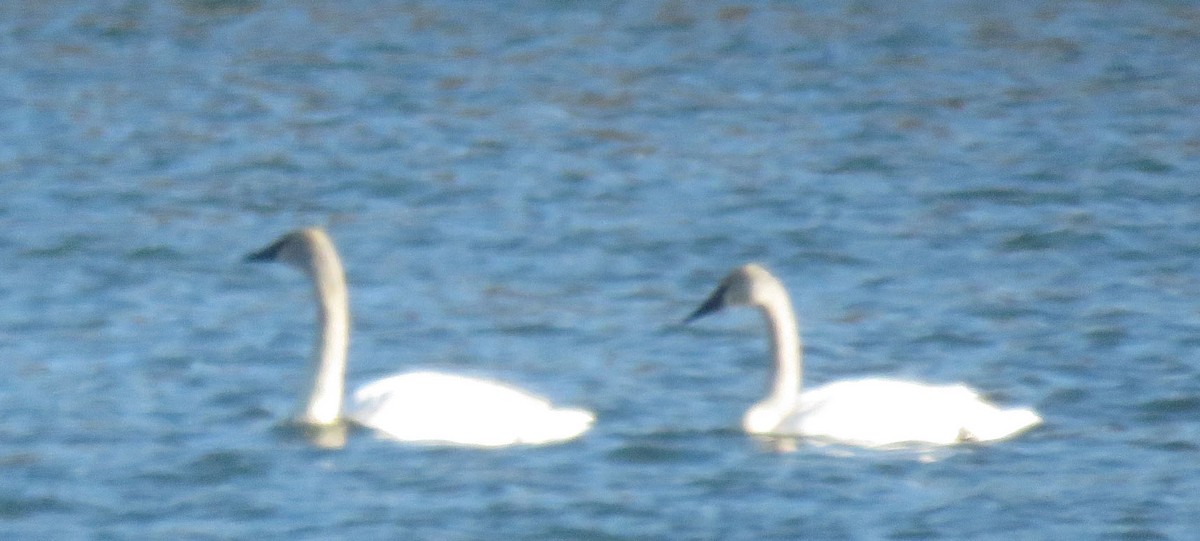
{"type": "Point", "coordinates": [786, 349]}
{"type": "Point", "coordinates": [324, 403]}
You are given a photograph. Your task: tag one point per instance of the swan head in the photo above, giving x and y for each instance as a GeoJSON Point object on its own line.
{"type": "Point", "coordinates": [299, 248]}
{"type": "Point", "coordinates": [748, 285]}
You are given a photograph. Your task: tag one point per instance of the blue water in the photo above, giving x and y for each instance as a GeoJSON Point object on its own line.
{"type": "Point", "coordinates": [1003, 194]}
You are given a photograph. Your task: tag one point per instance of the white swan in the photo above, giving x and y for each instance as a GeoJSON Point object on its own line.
{"type": "Point", "coordinates": [413, 407]}
{"type": "Point", "coordinates": [870, 412]}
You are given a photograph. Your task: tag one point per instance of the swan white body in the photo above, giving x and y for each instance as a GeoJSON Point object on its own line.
{"type": "Point", "coordinates": [462, 410]}
{"type": "Point", "coordinates": [870, 412]}
{"type": "Point", "coordinates": [415, 407]}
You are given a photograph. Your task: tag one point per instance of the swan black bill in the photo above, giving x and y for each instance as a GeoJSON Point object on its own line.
{"type": "Point", "coordinates": [715, 302]}
{"type": "Point", "coordinates": [270, 253]}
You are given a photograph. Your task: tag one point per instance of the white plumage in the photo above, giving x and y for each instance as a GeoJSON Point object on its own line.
{"type": "Point", "coordinates": [878, 412]}
{"type": "Point", "coordinates": [415, 407]}
{"type": "Point", "coordinates": [462, 410]}
{"type": "Point", "coordinates": [871, 412]}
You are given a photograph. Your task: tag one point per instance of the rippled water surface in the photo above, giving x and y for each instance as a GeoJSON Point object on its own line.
{"type": "Point", "coordinates": [1003, 194]}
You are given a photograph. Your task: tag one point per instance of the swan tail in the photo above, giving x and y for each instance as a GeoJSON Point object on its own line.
{"type": "Point", "coordinates": [1000, 424]}
{"type": "Point", "coordinates": [559, 425]}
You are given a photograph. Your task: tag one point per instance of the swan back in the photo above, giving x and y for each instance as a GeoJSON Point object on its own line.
{"type": "Point", "coordinates": [445, 408]}
{"type": "Point", "coordinates": [879, 412]}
